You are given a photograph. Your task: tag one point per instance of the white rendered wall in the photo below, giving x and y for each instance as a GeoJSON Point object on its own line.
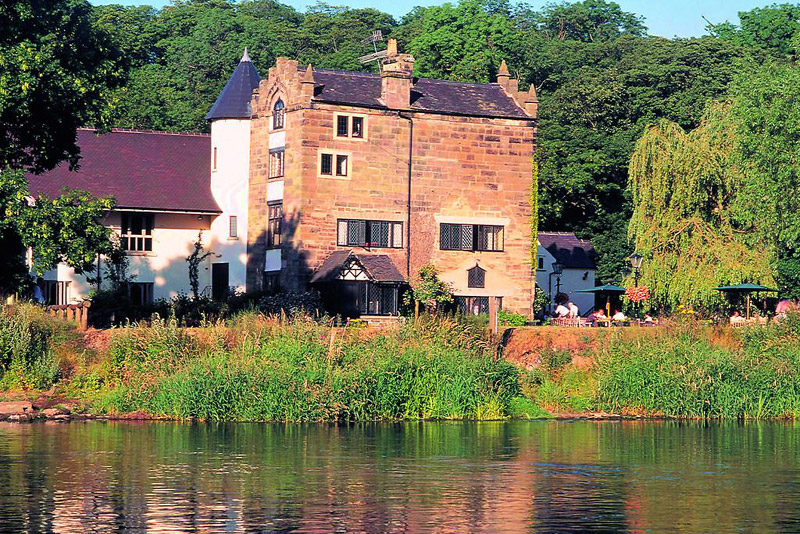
{"type": "Point", "coordinates": [229, 185]}
{"type": "Point", "coordinates": [165, 266]}
{"type": "Point", "coordinates": [571, 281]}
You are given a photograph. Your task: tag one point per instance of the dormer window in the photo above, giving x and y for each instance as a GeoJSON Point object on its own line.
{"type": "Point", "coordinates": [278, 113]}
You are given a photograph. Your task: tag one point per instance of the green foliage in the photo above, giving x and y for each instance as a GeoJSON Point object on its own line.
{"type": "Point", "coordinates": [684, 223]}
{"type": "Point", "coordinates": [65, 229]}
{"type": "Point", "coordinates": [428, 289]}
{"type": "Point", "coordinates": [58, 74]}
{"type": "Point", "coordinates": [27, 360]}
{"type": "Point", "coordinates": [683, 374]}
{"type": "Point", "coordinates": [194, 260]}
{"type": "Point", "coordinates": [266, 370]}
{"type": "Point", "coordinates": [772, 29]}
{"type": "Point", "coordinates": [507, 318]}
{"type": "Point", "coordinates": [589, 21]}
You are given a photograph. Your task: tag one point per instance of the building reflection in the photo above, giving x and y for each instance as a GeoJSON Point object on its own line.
{"type": "Point", "coordinates": [509, 477]}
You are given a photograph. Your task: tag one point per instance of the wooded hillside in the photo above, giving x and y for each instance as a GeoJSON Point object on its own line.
{"type": "Point", "coordinates": [601, 78]}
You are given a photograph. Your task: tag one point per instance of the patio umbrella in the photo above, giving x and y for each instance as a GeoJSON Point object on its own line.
{"type": "Point", "coordinates": [606, 290]}
{"type": "Point", "coordinates": [745, 288]}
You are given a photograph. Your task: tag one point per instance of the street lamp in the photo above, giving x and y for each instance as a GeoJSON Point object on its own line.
{"type": "Point", "coordinates": [636, 263]}
{"type": "Point", "coordinates": [557, 270]}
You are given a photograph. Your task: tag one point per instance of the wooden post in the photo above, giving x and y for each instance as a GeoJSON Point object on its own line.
{"type": "Point", "coordinates": [84, 324]}
{"type": "Point", "coordinates": [493, 315]}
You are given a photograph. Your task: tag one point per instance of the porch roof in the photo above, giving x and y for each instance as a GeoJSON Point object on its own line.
{"type": "Point", "coordinates": [377, 267]}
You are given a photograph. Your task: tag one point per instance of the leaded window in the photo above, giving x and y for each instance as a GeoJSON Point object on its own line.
{"type": "Point", "coordinates": [369, 234]}
{"type": "Point", "coordinates": [378, 299]}
{"type": "Point", "coordinates": [326, 164]}
{"type": "Point", "coordinates": [274, 224]}
{"type": "Point", "coordinates": [476, 277]}
{"type": "Point", "coordinates": [276, 163]}
{"type": "Point", "coordinates": [278, 115]}
{"type": "Point", "coordinates": [470, 237]}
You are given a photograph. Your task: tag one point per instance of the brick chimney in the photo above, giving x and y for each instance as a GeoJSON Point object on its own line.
{"type": "Point", "coordinates": [396, 75]}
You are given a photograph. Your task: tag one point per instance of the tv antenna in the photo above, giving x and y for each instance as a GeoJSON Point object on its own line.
{"type": "Point", "coordinates": [377, 35]}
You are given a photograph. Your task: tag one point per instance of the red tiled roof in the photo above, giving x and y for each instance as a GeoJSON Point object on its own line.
{"type": "Point", "coordinates": [140, 169]}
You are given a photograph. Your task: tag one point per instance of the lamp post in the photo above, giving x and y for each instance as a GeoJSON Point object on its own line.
{"type": "Point", "coordinates": [636, 263]}
{"type": "Point", "coordinates": [557, 270]}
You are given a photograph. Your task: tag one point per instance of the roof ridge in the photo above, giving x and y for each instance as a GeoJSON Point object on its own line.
{"type": "Point", "coordinates": [156, 132]}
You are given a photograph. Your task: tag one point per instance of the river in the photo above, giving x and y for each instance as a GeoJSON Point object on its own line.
{"type": "Point", "coordinates": [538, 476]}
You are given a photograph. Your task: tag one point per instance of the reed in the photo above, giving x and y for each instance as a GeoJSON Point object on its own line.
{"type": "Point", "coordinates": [27, 337]}
{"type": "Point", "coordinates": [267, 369]}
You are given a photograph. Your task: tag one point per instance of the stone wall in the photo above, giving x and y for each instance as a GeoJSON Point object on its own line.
{"type": "Point", "coordinates": [464, 169]}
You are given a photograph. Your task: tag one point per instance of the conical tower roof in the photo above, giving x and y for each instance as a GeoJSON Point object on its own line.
{"type": "Point", "coordinates": [234, 100]}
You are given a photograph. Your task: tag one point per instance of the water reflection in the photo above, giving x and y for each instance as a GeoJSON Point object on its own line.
{"type": "Point", "coordinates": [400, 478]}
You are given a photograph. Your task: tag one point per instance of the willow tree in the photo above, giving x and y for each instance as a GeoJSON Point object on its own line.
{"type": "Point", "coordinates": [683, 188]}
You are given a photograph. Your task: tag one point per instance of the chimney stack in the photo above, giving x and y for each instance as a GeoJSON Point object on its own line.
{"type": "Point", "coordinates": [396, 77]}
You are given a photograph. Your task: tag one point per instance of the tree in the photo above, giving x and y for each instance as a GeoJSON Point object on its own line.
{"type": "Point", "coordinates": [430, 290]}
{"type": "Point", "coordinates": [464, 42]}
{"type": "Point", "coordinates": [765, 103]}
{"type": "Point", "coordinates": [685, 221]}
{"type": "Point", "coordinates": [589, 21]}
{"type": "Point", "coordinates": [772, 29]}
{"type": "Point", "coordinates": [58, 73]}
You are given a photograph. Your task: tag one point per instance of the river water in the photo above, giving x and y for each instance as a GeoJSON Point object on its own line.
{"type": "Point", "coordinates": [539, 476]}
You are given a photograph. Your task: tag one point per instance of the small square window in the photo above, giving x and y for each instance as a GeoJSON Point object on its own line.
{"type": "Point", "coordinates": [341, 165]}
{"type": "Point", "coordinates": [326, 164]}
{"type": "Point", "coordinates": [342, 126]}
{"type": "Point", "coordinates": [358, 127]}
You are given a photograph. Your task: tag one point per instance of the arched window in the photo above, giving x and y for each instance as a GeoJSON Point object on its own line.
{"type": "Point", "coordinates": [277, 115]}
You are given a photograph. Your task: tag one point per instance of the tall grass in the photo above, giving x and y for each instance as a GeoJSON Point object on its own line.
{"type": "Point", "coordinates": [264, 369]}
{"type": "Point", "coordinates": [681, 371]}
{"type": "Point", "coordinates": [27, 359]}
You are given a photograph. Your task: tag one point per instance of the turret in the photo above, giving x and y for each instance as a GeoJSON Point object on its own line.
{"type": "Point", "coordinates": [229, 121]}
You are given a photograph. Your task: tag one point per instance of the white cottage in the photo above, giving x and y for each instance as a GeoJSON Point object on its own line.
{"type": "Point", "coordinates": [577, 260]}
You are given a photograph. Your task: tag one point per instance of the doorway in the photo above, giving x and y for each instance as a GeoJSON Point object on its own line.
{"type": "Point", "coordinates": [219, 281]}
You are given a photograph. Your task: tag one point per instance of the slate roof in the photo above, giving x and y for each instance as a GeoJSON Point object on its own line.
{"type": "Point", "coordinates": [140, 169]}
{"type": "Point", "coordinates": [439, 96]}
{"type": "Point", "coordinates": [379, 267]}
{"type": "Point", "coordinates": [568, 250]}
{"type": "Point", "coordinates": [234, 100]}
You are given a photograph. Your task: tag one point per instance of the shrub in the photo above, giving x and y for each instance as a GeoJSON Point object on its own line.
{"type": "Point", "coordinates": [27, 360]}
{"type": "Point", "coordinates": [507, 318]}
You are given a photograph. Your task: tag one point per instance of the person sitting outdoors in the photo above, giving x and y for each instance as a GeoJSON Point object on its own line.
{"type": "Point", "coordinates": [573, 310]}
{"type": "Point", "coordinates": [561, 311]}
{"type": "Point", "coordinates": [599, 316]}
{"type": "Point", "coordinates": [648, 319]}
{"type": "Point", "coordinates": [618, 316]}
{"type": "Point", "coordinates": [737, 319]}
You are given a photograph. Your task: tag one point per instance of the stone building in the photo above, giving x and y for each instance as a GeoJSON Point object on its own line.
{"type": "Point", "coordinates": [346, 182]}
{"type": "Point", "coordinates": [357, 180]}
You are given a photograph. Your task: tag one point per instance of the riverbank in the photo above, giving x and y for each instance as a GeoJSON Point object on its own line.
{"type": "Point", "coordinates": [255, 368]}
{"type": "Point", "coordinates": [684, 370]}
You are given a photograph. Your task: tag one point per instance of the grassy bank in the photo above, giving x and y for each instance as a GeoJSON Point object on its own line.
{"type": "Point", "coordinates": [260, 369]}
{"type": "Point", "coordinates": [254, 368]}
{"type": "Point", "coordinates": [683, 370]}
